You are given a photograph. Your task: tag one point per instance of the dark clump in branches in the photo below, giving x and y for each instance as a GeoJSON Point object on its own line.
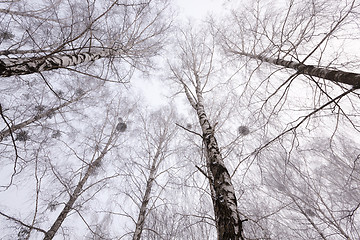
{"type": "Point", "coordinates": [52, 206]}
{"type": "Point", "coordinates": [6, 35]}
{"type": "Point", "coordinates": [243, 130]}
{"type": "Point", "coordinates": [22, 136]}
{"type": "Point", "coordinates": [80, 92]}
{"type": "Point", "coordinates": [40, 108]}
{"type": "Point", "coordinates": [121, 126]}
{"type": "Point", "coordinates": [56, 134]}
{"type": "Point", "coordinates": [24, 233]}
{"type": "Point", "coordinates": [95, 167]}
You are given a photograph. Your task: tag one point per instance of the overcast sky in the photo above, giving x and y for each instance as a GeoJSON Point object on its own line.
{"type": "Point", "coordinates": [199, 8]}
{"type": "Point", "coordinates": [186, 9]}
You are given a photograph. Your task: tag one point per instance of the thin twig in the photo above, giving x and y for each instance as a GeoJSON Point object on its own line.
{"type": "Point", "coordinates": [15, 148]}
{"type": "Point", "coordinates": [189, 130]}
{"type": "Point", "coordinates": [202, 171]}
{"type": "Point", "coordinates": [24, 224]}
{"type": "Point", "coordinates": [257, 151]}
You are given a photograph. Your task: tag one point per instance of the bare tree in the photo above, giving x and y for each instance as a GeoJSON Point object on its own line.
{"type": "Point", "coordinates": [132, 32]}
{"type": "Point", "coordinates": [56, 34]}
{"type": "Point", "coordinates": [290, 56]}
{"type": "Point", "coordinates": [41, 113]}
{"type": "Point", "coordinates": [288, 36]}
{"type": "Point", "coordinates": [336, 76]}
{"type": "Point", "coordinates": [263, 150]}
{"type": "Point", "coordinates": [159, 131]}
{"type": "Point", "coordinates": [314, 192]}
{"type": "Point", "coordinates": [94, 163]}
{"type": "Point", "coordinates": [194, 73]}
{"type": "Point", "coordinates": [47, 118]}
{"type": "Point", "coordinates": [82, 180]}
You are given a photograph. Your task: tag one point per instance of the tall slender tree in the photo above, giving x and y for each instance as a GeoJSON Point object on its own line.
{"type": "Point", "coordinates": [265, 150]}
{"type": "Point", "coordinates": [195, 71]}
{"type": "Point", "coordinates": [336, 76]}
{"type": "Point", "coordinates": [78, 185]}
{"type": "Point", "coordinates": [159, 130]}
{"type": "Point", "coordinates": [302, 41]}
{"type": "Point", "coordinates": [300, 81]}
{"type": "Point", "coordinates": [49, 115]}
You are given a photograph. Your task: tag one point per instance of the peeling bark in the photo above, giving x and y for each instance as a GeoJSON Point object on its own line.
{"type": "Point", "coordinates": [22, 66]}
{"type": "Point", "coordinates": [337, 76]}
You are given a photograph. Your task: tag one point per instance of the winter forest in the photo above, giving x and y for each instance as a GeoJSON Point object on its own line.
{"type": "Point", "coordinates": [122, 119]}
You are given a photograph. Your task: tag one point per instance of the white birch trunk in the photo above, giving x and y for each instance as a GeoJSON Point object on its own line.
{"type": "Point", "coordinates": [76, 193]}
{"type": "Point", "coordinates": [145, 200]}
{"type": "Point", "coordinates": [228, 222]}
{"type": "Point", "coordinates": [337, 76]}
{"type": "Point", "coordinates": [22, 66]}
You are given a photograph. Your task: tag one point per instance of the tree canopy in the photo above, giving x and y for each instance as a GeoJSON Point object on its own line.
{"type": "Point", "coordinates": [252, 131]}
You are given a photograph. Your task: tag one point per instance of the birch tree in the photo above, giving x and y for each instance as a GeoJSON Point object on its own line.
{"type": "Point", "coordinates": [41, 113]}
{"type": "Point", "coordinates": [35, 118]}
{"type": "Point", "coordinates": [57, 34]}
{"type": "Point", "coordinates": [47, 117]}
{"type": "Point", "coordinates": [300, 80]}
{"type": "Point", "coordinates": [67, 175]}
{"type": "Point", "coordinates": [90, 169]}
{"type": "Point", "coordinates": [159, 132]}
{"type": "Point", "coordinates": [336, 76]}
{"type": "Point", "coordinates": [130, 31]}
{"type": "Point", "coordinates": [194, 73]}
{"type": "Point", "coordinates": [303, 35]}
{"type": "Point", "coordinates": [303, 49]}
{"type": "Point", "coordinates": [315, 192]}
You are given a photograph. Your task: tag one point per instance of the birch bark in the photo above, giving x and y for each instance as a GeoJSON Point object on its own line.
{"type": "Point", "coordinates": [145, 200]}
{"type": "Point", "coordinates": [337, 76]}
{"type": "Point", "coordinates": [228, 222]}
{"type": "Point", "coordinates": [22, 66]}
{"type": "Point", "coordinates": [77, 192]}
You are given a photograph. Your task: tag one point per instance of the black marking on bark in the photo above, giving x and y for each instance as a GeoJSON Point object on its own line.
{"type": "Point", "coordinates": [2, 67]}
{"type": "Point", "coordinates": [54, 63]}
{"type": "Point", "coordinates": [82, 57]}
{"type": "Point", "coordinates": [30, 68]}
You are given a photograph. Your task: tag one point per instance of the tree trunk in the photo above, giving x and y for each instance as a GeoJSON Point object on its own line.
{"type": "Point", "coordinates": [77, 192]}
{"type": "Point", "coordinates": [227, 217]}
{"type": "Point", "coordinates": [21, 66]}
{"type": "Point", "coordinates": [143, 211]}
{"type": "Point", "coordinates": [228, 222]}
{"type": "Point", "coordinates": [25, 123]}
{"type": "Point", "coordinates": [337, 76]}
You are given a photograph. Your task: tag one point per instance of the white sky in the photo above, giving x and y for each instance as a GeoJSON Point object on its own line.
{"type": "Point", "coordinates": [186, 9]}
{"type": "Point", "coordinates": [198, 9]}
